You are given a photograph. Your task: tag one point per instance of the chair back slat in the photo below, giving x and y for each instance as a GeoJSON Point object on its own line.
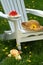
{"type": "Point", "coordinates": [23, 9]}
{"type": "Point", "coordinates": [7, 9]}
{"type": "Point", "coordinates": [17, 5]}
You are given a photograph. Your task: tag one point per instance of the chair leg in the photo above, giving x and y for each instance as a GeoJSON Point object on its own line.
{"type": "Point", "coordinates": [18, 44]}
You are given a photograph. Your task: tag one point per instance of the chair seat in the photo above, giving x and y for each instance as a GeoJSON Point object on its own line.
{"type": "Point", "coordinates": [29, 33]}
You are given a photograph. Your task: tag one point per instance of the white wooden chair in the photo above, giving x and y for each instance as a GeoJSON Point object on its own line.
{"type": "Point", "coordinates": [17, 31]}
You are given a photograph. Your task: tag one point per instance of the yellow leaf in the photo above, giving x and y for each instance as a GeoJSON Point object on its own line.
{"type": "Point", "coordinates": [28, 60]}
{"type": "Point", "coordinates": [25, 47]}
{"type": "Point", "coordinates": [33, 1]}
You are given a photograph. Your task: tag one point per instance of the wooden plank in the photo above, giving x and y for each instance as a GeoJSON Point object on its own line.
{"type": "Point", "coordinates": [34, 38]}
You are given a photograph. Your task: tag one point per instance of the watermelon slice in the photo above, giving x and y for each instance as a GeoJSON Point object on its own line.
{"type": "Point", "coordinates": [13, 13]}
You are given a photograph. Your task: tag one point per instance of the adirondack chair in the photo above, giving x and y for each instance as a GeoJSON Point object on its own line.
{"type": "Point", "coordinates": [17, 32]}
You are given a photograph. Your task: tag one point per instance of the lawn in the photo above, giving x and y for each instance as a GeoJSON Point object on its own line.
{"type": "Point", "coordinates": [32, 51]}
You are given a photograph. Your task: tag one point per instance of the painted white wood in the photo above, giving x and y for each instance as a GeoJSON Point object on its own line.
{"type": "Point", "coordinates": [7, 8]}
{"type": "Point", "coordinates": [9, 35]}
{"type": "Point", "coordinates": [24, 12]}
{"type": "Point", "coordinates": [3, 15]}
{"type": "Point", "coordinates": [17, 36]}
{"type": "Point", "coordinates": [29, 34]}
{"type": "Point", "coordinates": [35, 12]}
{"type": "Point", "coordinates": [33, 38]}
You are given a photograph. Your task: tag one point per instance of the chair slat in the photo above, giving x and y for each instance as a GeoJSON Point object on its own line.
{"type": "Point", "coordinates": [11, 5]}
{"type": "Point", "coordinates": [23, 9]}
{"type": "Point", "coordinates": [18, 8]}
{"type": "Point", "coordinates": [7, 8]}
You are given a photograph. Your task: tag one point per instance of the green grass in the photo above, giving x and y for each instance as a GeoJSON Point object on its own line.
{"type": "Point", "coordinates": [32, 51]}
{"type": "Point", "coordinates": [35, 60]}
{"type": "Point", "coordinates": [36, 47]}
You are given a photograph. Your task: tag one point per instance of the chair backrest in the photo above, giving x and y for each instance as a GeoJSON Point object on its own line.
{"type": "Point", "coordinates": [17, 5]}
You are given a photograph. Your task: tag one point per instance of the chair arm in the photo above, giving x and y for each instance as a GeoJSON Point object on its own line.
{"type": "Point", "coordinates": [3, 15]}
{"type": "Point", "coordinates": [9, 17]}
{"type": "Point", "coordinates": [35, 12]}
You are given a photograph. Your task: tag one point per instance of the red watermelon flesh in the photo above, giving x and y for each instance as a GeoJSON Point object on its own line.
{"type": "Point", "coordinates": [13, 13]}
